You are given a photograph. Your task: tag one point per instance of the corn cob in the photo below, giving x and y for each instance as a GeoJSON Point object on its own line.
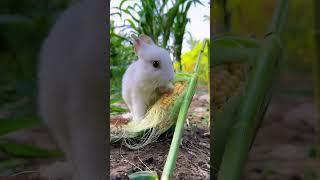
{"type": "Point", "coordinates": [158, 119]}
{"type": "Point", "coordinates": [227, 78]}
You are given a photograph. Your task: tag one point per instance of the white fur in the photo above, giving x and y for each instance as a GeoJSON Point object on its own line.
{"type": "Point", "coordinates": [71, 82]}
{"type": "Point", "coordinates": [142, 83]}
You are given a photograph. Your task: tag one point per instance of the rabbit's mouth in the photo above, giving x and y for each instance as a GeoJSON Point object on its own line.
{"type": "Point", "coordinates": [166, 89]}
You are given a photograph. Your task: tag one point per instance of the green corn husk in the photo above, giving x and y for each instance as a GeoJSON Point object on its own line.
{"type": "Point", "coordinates": [234, 58]}
{"type": "Point", "coordinates": [158, 119]}
{"type": "Point", "coordinates": [229, 82]}
{"type": "Point", "coordinates": [144, 175]}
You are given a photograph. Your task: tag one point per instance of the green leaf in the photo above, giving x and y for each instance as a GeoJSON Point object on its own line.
{"type": "Point", "coordinates": [28, 151]}
{"type": "Point", "coordinates": [115, 100]}
{"type": "Point", "coordinates": [122, 2]}
{"type": "Point", "coordinates": [228, 48]}
{"type": "Point", "coordinates": [187, 9]}
{"type": "Point", "coordinates": [132, 24]}
{"type": "Point", "coordinates": [131, 15]}
{"type": "Point", "coordinates": [8, 19]}
{"type": "Point", "coordinates": [176, 140]}
{"type": "Point", "coordinates": [11, 163]}
{"type": "Point", "coordinates": [228, 55]}
{"type": "Point", "coordinates": [197, 1]}
{"type": "Point", "coordinates": [118, 109]}
{"type": "Point", "coordinates": [116, 13]}
{"type": "Point", "coordinates": [26, 88]}
{"type": "Point", "coordinates": [235, 41]}
{"type": "Point", "coordinates": [13, 124]}
{"type": "Point", "coordinates": [144, 175]}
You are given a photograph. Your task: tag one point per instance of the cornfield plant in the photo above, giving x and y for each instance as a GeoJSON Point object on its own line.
{"type": "Point", "coordinates": [121, 55]}
{"type": "Point", "coordinates": [189, 59]}
{"type": "Point", "coordinates": [158, 19]}
{"type": "Point", "coordinates": [237, 116]}
{"type": "Point", "coordinates": [192, 41]}
{"type": "Point", "coordinates": [23, 27]}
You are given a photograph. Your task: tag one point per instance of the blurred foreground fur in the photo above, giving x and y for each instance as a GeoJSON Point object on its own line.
{"type": "Point", "coordinates": [72, 92]}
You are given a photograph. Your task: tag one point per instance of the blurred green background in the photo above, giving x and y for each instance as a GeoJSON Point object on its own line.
{"type": "Point", "coordinates": [23, 26]}
{"type": "Point", "coordinates": [289, 128]}
{"type": "Point", "coordinates": [252, 18]}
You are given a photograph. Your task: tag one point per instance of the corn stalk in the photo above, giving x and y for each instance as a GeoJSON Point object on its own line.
{"type": "Point", "coordinates": [176, 140]}
{"type": "Point", "coordinates": [229, 49]}
{"type": "Point", "coordinates": [221, 16]}
{"type": "Point", "coordinates": [179, 30]}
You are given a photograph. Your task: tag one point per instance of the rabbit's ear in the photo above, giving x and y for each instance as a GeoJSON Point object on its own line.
{"type": "Point", "coordinates": [140, 41]}
{"type": "Point", "coordinates": [146, 39]}
{"type": "Point", "coordinates": [134, 37]}
{"type": "Point", "coordinates": [136, 44]}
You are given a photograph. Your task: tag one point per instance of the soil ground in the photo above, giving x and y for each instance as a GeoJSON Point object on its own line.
{"type": "Point", "coordinates": [193, 159]}
{"type": "Point", "coordinates": [282, 150]}
{"type": "Point", "coordinates": [284, 146]}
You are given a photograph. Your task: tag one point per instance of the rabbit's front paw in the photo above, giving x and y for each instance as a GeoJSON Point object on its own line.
{"type": "Point", "coordinates": [127, 115]}
{"type": "Point", "coordinates": [139, 109]}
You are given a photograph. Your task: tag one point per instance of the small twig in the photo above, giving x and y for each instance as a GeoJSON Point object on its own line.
{"type": "Point", "coordinates": [24, 172]}
{"type": "Point", "coordinates": [144, 164]}
{"type": "Point", "coordinates": [131, 163]}
{"type": "Point", "coordinates": [128, 160]}
{"type": "Point", "coordinates": [188, 124]}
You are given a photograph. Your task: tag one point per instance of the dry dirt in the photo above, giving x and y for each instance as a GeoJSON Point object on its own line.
{"type": "Point", "coordinates": [284, 146]}
{"type": "Point", "coordinates": [194, 156]}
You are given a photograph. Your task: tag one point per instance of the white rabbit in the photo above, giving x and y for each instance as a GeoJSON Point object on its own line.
{"type": "Point", "coordinates": [148, 77]}
{"type": "Point", "coordinates": [72, 91]}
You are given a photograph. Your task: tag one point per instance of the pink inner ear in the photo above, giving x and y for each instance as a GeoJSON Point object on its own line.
{"type": "Point", "coordinates": [146, 39]}
{"type": "Point", "coordinates": [137, 45]}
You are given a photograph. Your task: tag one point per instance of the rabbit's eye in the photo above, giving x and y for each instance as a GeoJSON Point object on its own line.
{"type": "Point", "coordinates": [155, 64]}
